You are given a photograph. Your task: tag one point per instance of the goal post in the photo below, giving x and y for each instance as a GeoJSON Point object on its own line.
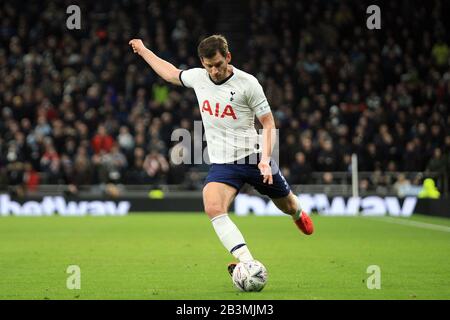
{"type": "Point", "coordinates": [355, 190]}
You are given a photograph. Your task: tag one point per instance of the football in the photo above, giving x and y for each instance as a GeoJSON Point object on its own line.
{"type": "Point", "coordinates": [250, 276]}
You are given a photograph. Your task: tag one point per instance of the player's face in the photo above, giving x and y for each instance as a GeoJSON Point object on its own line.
{"type": "Point", "coordinates": [217, 66]}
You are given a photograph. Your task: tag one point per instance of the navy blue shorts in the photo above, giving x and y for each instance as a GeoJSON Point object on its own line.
{"type": "Point", "coordinates": [236, 174]}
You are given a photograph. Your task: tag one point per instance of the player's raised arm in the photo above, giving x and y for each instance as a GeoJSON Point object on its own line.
{"type": "Point", "coordinates": [164, 69]}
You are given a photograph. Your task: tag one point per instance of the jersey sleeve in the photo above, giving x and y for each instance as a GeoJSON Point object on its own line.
{"type": "Point", "coordinates": [257, 99]}
{"type": "Point", "coordinates": [188, 77]}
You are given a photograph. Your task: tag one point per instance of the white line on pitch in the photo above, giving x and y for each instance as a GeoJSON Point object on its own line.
{"type": "Point", "coordinates": [417, 224]}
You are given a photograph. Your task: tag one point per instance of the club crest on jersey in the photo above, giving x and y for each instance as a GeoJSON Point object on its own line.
{"type": "Point", "coordinates": [232, 94]}
{"type": "Point", "coordinates": [226, 112]}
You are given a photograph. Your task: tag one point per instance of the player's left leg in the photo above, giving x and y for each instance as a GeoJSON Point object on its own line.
{"type": "Point", "coordinates": [217, 197]}
{"type": "Point", "coordinates": [221, 186]}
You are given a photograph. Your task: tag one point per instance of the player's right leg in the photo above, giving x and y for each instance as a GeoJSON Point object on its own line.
{"type": "Point", "coordinates": [217, 198]}
{"type": "Point", "coordinates": [291, 206]}
{"type": "Point", "coordinates": [280, 193]}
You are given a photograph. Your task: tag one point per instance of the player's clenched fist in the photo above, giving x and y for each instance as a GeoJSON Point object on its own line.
{"type": "Point", "coordinates": [137, 45]}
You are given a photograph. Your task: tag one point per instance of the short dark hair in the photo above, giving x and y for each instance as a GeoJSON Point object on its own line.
{"type": "Point", "coordinates": [210, 45]}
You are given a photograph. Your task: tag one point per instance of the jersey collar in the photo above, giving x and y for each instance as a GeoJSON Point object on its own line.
{"type": "Point", "coordinates": [222, 81]}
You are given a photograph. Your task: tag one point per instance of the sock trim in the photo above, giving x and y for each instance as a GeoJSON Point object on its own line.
{"type": "Point", "coordinates": [237, 247]}
{"type": "Point", "coordinates": [219, 216]}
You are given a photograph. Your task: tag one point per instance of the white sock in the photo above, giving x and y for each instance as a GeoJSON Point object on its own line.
{"type": "Point", "coordinates": [231, 237]}
{"type": "Point", "coordinates": [243, 254]}
{"type": "Point", "coordinates": [299, 210]}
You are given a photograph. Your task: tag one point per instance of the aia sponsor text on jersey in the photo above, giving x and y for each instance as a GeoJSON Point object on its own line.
{"type": "Point", "coordinates": [228, 111]}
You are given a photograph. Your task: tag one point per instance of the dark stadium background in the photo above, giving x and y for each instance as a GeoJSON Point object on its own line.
{"type": "Point", "coordinates": [81, 114]}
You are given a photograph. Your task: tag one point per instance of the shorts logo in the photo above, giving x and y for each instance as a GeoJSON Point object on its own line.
{"type": "Point", "coordinates": [226, 112]}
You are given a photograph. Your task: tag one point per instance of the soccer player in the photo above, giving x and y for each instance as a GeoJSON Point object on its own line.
{"type": "Point", "coordinates": [228, 100]}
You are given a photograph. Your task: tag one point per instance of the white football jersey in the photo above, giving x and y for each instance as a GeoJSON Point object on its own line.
{"type": "Point", "coordinates": [228, 112]}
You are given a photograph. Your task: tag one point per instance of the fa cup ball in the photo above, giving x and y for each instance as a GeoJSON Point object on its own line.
{"type": "Point", "coordinates": [250, 276]}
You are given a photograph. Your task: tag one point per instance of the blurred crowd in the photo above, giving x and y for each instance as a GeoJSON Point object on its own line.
{"type": "Point", "coordinates": [338, 88]}
{"type": "Point", "coordinates": [79, 108]}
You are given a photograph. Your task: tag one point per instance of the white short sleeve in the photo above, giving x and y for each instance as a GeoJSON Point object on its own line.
{"type": "Point", "coordinates": [257, 99]}
{"type": "Point", "coordinates": [188, 77]}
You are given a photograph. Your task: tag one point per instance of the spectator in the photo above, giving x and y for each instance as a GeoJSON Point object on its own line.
{"type": "Point", "coordinates": [125, 140]}
{"type": "Point", "coordinates": [51, 163]}
{"type": "Point", "coordinates": [327, 158]}
{"type": "Point", "coordinates": [437, 163]}
{"type": "Point", "coordinates": [155, 165]}
{"type": "Point", "coordinates": [114, 163]}
{"type": "Point", "coordinates": [102, 141]}
{"type": "Point", "coordinates": [441, 53]}
{"type": "Point", "coordinates": [301, 170]}
{"type": "Point", "coordinates": [327, 178]}
{"type": "Point", "coordinates": [402, 185]}
{"type": "Point", "coordinates": [15, 172]}
{"type": "Point", "coordinates": [83, 170]}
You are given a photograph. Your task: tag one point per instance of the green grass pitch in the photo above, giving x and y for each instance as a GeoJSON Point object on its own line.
{"type": "Point", "coordinates": [178, 256]}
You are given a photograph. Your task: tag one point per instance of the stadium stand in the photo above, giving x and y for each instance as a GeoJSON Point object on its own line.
{"type": "Point", "coordinates": [79, 108]}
